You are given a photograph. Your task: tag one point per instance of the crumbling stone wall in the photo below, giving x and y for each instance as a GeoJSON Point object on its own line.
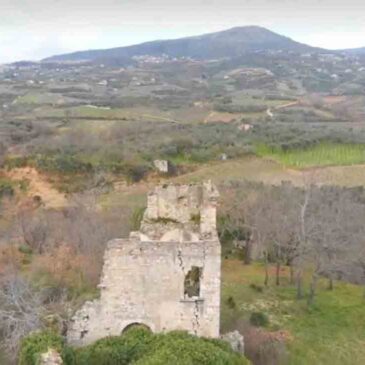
{"type": "Point", "coordinates": [145, 277]}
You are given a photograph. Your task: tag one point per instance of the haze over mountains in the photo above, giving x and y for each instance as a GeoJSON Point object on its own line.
{"type": "Point", "coordinates": [355, 51]}
{"type": "Point", "coordinates": [229, 43]}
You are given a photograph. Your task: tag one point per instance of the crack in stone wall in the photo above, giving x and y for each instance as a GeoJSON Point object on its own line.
{"type": "Point", "coordinates": [196, 317]}
{"type": "Point", "coordinates": [143, 277]}
{"type": "Point", "coordinates": [179, 257]}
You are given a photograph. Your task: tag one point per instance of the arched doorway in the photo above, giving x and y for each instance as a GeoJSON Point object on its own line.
{"type": "Point", "coordinates": [136, 325]}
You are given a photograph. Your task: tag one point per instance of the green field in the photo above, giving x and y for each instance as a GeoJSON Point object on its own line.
{"type": "Point", "coordinates": [329, 332]}
{"type": "Point", "coordinates": [39, 98]}
{"type": "Point", "coordinates": [323, 154]}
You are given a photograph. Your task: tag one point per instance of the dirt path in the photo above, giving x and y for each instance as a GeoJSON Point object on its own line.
{"type": "Point", "coordinates": [162, 119]}
{"type": "Point", "coordinates": [270, 113]}
{"type": "Point", "coordinates": [223, 117]}
{"type": "Point", "coordinates": [288, 105]}
{"type": "Point", "coordinates": [38, 185]}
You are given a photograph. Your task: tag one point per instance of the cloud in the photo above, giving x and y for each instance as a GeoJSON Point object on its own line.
{"type": "Point", "coordinates": [33, 29]}
{"type": "Point", "coordinates": [337, 39]}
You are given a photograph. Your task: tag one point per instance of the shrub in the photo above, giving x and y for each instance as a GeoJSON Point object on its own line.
{"type": "Point", "coordinates": [15, 162]}
{"type": "Point", "coordinates": [26, 250]}
{"type": "Point", "coordinates": [135, 172]}
{"type": "Point", "coordinates": [137, 217]}
{"type": "Point", "coordinates": [176, 147]}
{"type": "Point", "coordinates": [36, 344]}
{"type": "Point", "coordinates": [118, 350]}
{"type": "Point", "coordinates": [6, 188]}
{"type": "Point", "coordinates": [231, 302]}
{"type": "Point", "coordinates": [64, 163]}
{"type": "Point", "coordinates": [184, 349]}
{"type": "Point", "coordinates": [257, 288]}
{"type": "Point", "coordinates": [137, 346]}
{"type": "Point", "coordinates": [24, 184]}
{"type": "Point", "coordinates": [259, 319]}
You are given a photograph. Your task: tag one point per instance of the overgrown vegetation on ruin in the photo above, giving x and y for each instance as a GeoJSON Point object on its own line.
{"type": "Point", "coordinates": [137, 346]}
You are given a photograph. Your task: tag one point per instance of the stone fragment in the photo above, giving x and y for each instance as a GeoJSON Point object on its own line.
{"type": "Point", "coordinates": [162, 166]}
{"type": "Point", "coordinates": [235, 339]}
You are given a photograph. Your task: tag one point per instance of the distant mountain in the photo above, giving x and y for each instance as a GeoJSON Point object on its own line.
{"type": "Point", "coordinates": [355, 51]}
{"type": "Point", "coordinates": [229, 43]}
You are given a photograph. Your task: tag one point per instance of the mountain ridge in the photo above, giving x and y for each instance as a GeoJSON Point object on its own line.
{"type": "Point", "coordinates": [355, 51]}
{"type": "Point", "coordinates": [232, 42]}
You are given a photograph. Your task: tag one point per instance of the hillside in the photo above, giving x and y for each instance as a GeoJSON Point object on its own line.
{"type": "Point", "coordinates": [276, 125]}
{"type": "Point", "coordinates": [355, 51]}
{"type": "Point", "coordinates": [229, 43]}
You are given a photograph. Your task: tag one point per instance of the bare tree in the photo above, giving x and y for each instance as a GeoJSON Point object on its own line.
{"type": "Point", "coordinates": [34, 228]}
{"type": "Point", "coordinates": [271, 216]}
{"type": "Point", "coordinates": [21, 311]}
{"type": "Point", "coordinates": [313, 228]}
{"type": "Point", "coordinates": [333, 226]}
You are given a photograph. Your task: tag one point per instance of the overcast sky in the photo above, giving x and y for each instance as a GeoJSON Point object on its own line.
{"type": "Point", "coordinates": [33, 29]}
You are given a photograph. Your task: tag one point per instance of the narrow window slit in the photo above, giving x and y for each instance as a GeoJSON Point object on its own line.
{"type": "Point", "coordinates": [192, 282]}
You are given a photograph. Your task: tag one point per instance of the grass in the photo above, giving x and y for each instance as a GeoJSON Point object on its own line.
{"type": "Point", "coordinates": [6, 187]}
{"type": "Point", "coordinates": [330, 332]}
{"type": "Point", "coordinates": [322, 154]}
{"type": "Point", "coordinates": [38, 98]}
{"type": "Point", "coordinates": [94, 113]}
{"type": "Point", "coordinates": [250, 168]}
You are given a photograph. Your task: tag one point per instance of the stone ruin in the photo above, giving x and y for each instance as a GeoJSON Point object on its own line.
{"type": "Point", "coordinates": [162, 165]}
{"type": "Point", "coordinates": [166, 276]}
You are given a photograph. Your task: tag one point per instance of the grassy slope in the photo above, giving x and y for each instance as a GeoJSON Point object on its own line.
{"type": "Point", "coordinates": [324, 154]}
{"type": "Point", "coordinates": [249, 168]}
{"type": "Point", "coordinates": [331, 332]}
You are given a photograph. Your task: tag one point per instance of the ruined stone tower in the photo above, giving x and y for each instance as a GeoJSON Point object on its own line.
{"type": "Point", "coordinates": [165, 276]}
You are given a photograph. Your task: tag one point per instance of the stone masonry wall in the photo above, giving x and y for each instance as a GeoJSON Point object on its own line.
{"type": "Point", "coordinates": [144, 276]}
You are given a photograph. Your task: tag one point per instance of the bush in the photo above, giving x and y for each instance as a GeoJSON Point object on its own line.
{"type": "Point", "coordinates": [136, 218]}
{"type": "Point", "coordinates": [63, 163]}
{"type": "Point", "coordinates": [6, 188]}
{"type": "Point", "coordinates": [135, 172]}
{"type": "Point", "coordinates": [259, 319]}
{"type": "Point", "coordinates": [26, 250]}
{"type": "Point", "coordinates": [138, 346]}
{"type": "Point", "coordinates": [257, 288]}
{"type": "Point", "coordinates": [121, 350]}
{"type": "Point", "coordinates": [16, 162]}
{"type": "Point", "coordinates": [231, 302]}
{"type": "Point", "coordinates": [36, 344]}
{"type": "Point", "coordinates": [184, 349]}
